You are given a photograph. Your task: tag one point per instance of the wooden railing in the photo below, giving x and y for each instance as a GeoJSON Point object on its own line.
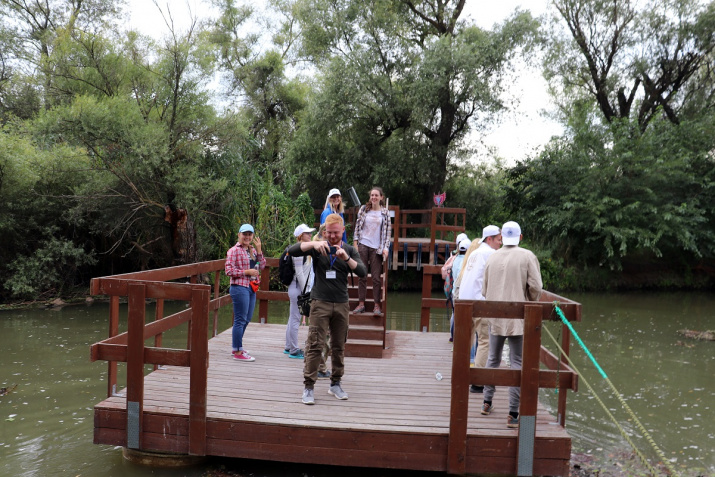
{"type": "Point", "coordinates": [129, 346]}
{"type": "Point", "coordinates": [435, 223]}
{"type": "Point", "coordinates": [529, 378]}
{"type": "Point", "coordinates": [428, 271]}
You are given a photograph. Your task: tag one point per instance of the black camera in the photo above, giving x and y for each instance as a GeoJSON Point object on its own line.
{"type": "Point", "coordinates": [333, 250]}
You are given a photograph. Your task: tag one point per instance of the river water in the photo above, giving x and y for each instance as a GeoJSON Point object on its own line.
{"type": "Point", "coordinates": [46, 422]}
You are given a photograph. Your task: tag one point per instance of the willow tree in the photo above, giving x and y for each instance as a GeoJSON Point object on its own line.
{"type": "Point", "coordinates": [635, 60]}
{"type": "Point", "coordinates": [400, 84]}
{"type": "Point", "coordinates": [36, 27]}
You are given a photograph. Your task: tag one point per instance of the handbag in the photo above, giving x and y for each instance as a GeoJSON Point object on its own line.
{"type": "Point", "coordinates": [304, 299]}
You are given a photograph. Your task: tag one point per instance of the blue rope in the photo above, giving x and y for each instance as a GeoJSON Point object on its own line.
{"type": "Point", "coordinates": [578, 338]}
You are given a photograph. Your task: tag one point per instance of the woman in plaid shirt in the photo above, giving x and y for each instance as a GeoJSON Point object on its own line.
{"type": "Point", "coordinates": [373, 231]}
{"type": "Point", "coordinates": [243, 264]}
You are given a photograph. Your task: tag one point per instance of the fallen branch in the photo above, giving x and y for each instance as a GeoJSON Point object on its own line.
{"type": "Point", "coordinates": [698, 335]}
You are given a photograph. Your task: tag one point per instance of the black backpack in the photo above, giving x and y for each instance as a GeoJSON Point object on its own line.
{"type": "Point", "coordinates": [286, 270]}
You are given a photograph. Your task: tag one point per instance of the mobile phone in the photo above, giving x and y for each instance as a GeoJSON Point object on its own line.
{"type": "Point", "coordinates": [333, 250]}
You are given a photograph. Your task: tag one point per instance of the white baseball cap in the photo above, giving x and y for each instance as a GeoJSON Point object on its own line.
{"type": "Point", "coordinates": [461, 237]}
{"type": "Point", "coordinates": [489, 231]}
{"type": "Point", "coordinates": [301, 229]}
{"type": "Point", "coordinates": [246, 228]}
{"type": "Point", "coordinates": [464, 245]}
{"type": "Point", "coordinates": [334, 192]}
{"type": "Point", "coordinates": [510, 233]}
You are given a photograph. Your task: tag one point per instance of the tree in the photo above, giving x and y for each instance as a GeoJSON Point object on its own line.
{"type": "Point", "coordinates": [269, 102]}
{"type": "Point", "coordinates": [635, 63]}
{"type": "Point", "coordinates": [401, 83]}
{"type": "Point", "coordinates": [37, 25]}
{"type": "Point", "coordinates": [604, 198]}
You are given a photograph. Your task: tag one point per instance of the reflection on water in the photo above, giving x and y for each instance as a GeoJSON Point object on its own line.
{"type": "Point", "coordinates": [47, 422]}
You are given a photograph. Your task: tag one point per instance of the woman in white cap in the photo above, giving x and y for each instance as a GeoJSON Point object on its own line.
{"type": "Point", "coordinates": [302, 280]}
{"type": "Point", "coordinates": [453, 267]}
{"type": "Point", "coordinates": [373, 231]}
{"type": "Point", "coordinates": [334, 205]}
{"type": "Point", "coordinates": [244, 261]}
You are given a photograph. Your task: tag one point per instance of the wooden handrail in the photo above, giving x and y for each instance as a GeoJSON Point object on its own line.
{"type": "Point", "coordinates": [529, 378]}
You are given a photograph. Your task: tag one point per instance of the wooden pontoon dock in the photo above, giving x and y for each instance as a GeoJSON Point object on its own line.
{"type": "Point", "coordinates": [397, 414]}
{"type": "Point", "coordinates": [198, 401]}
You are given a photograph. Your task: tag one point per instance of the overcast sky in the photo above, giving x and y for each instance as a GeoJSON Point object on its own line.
{"type": "Point", "coordinates": [519, 131]}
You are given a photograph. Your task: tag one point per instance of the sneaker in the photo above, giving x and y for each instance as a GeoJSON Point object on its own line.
{"type": "Point", "coordinates": [359, 309]}
{"type": "Point", "coordinates": [324, 374]}
{"type": "Point", "coordinates": [512, 422]}
{"type": "Point", "coordinates": [286, 351]}
{"type": "Point", "coordinates": [337, 391]}
{"type": "Point", "coordinates": [243, 356]}
{"type": "Point", "coordinates": [297, 354]}
{"type": "Point", "coordinates": [308, 396]}
{"type": "Point", "coordinates": [476, 389]}
{"type": "Point", "coordinates": [376, 311]}
{"type": "Point", "coordinates": [487, 408]}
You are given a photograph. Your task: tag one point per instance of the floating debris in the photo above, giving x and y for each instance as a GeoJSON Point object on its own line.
{"type": "Point", "coordinates": [698, 335]}
{"type": "Point", "coordinates": [7, 390]}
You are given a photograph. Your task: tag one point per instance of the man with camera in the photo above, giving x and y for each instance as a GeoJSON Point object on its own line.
{"type": "Point", "coordinates": [333, 260]}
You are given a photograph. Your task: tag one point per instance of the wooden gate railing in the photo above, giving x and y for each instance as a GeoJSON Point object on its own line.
{"type": "Point", "coordinates": [530, 378]}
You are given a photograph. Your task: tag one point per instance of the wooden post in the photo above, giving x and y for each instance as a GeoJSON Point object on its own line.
{"type": "Point", "coordinates": [433, 232]}
{"type": "Point", "coordinates": [459, 405]}
{"type": "Point", "coordinates": [113, 331]}
{"type": "Point", "coordinates": [263, 302]}
{"type": "Point", "coordinates": [396, 237]}
{"type": "Point", "coordinates": [199, 361]}
{"type": "Point", "coordinates": [135, 363]}
{"type": "Point", "coordinates": [565, 345]}
{"type": "Point", "coordinates": [529, 389]}
{"type": "Point", "coordinates": [217, 294]}
{"type": "Point", "coordinates": [426, 293]}
{"type": "Point", "coordinates": [158, 315]}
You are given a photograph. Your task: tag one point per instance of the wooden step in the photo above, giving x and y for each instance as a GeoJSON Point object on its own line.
{"type": "Point", "coordinates": [365, 319]}
{"type": "Point", "coordinates": [366, 332]}
{"type": "Point", "coordinates": [363, 348]}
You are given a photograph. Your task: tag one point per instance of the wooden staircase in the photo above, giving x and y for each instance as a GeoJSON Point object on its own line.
{"type": "Point", "coordinates": [366, 332]}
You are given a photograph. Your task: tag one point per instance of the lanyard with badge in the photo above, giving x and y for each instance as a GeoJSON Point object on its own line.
{"type": "Point", "coordinates": [331, 274]}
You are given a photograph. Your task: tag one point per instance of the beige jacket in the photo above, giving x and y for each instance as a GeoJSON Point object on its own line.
{"type": "Point", "coordinates": [512, 273]}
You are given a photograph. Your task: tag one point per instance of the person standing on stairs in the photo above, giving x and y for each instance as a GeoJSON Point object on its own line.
{"type": "Point", "coordinates": [373, 231]}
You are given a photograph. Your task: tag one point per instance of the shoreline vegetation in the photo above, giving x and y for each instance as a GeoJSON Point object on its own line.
{"type": "Point", "coordinates": [556, 279]}
{"type": "Point", "coordinates": [115, 155]}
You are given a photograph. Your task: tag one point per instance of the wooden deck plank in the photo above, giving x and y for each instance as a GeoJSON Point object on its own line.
{"type": "Point", "coordinates": [397, 415]}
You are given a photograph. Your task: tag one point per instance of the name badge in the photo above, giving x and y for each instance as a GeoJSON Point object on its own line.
{"type": "Point", "coordinates": [330, 274]}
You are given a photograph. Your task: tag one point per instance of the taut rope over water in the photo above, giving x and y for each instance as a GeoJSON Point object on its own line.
{"type": "Point", "coordinates": [640, 426]}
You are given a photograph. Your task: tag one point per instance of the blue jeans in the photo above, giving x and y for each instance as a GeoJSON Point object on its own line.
{"type": "Point", "coordinates": [244, 300]}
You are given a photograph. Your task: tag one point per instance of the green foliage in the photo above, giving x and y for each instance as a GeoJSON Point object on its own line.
{"type": "Point", "coordinates": [38, 235]}
{"type": "Point", "coordinates": [400, 85]}
{"type": "Point", "coordinates": [637, 61]}
{"type": "Point", "coordinates": [51, 268]}
{"type": "Point", "coordinates": [610, 194]}
{"type": "Point", "coordinates": [479, 189]}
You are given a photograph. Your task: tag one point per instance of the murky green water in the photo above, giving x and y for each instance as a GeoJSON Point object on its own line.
{"type": "Point", "coordinates": [46, 423]}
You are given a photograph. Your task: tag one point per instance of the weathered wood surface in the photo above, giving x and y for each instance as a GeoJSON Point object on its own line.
{"type": "Point", "coordinates": [397, 416]}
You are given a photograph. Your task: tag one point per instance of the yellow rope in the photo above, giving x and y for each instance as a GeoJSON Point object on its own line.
{"type": "Point", "coordinates": [628, 409]}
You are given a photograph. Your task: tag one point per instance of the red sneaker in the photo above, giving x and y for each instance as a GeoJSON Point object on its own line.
{"type": "Point", "coordinates": [242, 356]}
